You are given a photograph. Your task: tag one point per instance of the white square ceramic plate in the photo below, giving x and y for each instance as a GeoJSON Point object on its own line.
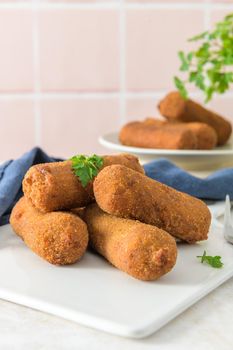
{"type": "Point", "coordinates": [95, 294]}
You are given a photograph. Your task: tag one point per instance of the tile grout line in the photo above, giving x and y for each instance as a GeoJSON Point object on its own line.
{"type": "Point", "coordinates": [115, 5]}
{"type": "Point", "coordinates": [122, 38]}
{"type": "Point", "coordinates": [178, 6]}
{"type": "Point", "coordinates": [97, 95]}
{"type": "Point", "coordinates": [36, 64]}
{"type": "Point", "coordinates": [207, 26]}
{"type": "Point", "coordinates": [58, 5]}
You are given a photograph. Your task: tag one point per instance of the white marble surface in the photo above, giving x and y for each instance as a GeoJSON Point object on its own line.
{"type": "Point", "coordinates": [205, 326]}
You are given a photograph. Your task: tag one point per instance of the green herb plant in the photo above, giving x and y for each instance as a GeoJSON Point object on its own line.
{"type": "Point", "coordinates": [214, 261]}
{"type": "Point", "coordinates": [210, 67]}
{"type": "Point", "coordinates": [86, 168]}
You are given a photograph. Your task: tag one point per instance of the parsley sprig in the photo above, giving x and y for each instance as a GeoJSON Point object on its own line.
{"type": "Point", "coordinates": [86, 168]}
{"type": "Point", "coordinates": [210, 67]}
{"type": "Point", "coordinates": [214, 261]}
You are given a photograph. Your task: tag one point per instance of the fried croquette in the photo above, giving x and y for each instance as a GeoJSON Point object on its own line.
{"type": "Point", "coordinates": [123, 192]}
{"type": "Point", "coordinates": [154, 121]}
{"type": "Point", "coordinates": [143, 251]}
{"type": "Point", "coordinates": [61, 238]}
{"type": "Point", "coordinates": [206, 136]}
{"type": "Point", "coordinates": [125, 159]}
{"type": "Point", "coordinates": [164, 136]}
{"type": "Point", "coordinates": [175, 108]}
{"type": "Point", "coordinates": [53, 186]}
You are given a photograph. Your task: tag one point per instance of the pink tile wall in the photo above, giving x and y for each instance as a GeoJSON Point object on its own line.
{"type": "Point", "coordinates": [222, 1]}
{"type": "Point", "coordinates": [79, 50]}
{"type": "Point", "coordinates": [218, 15]}
{"type": "Point", "coordinates": [153, 39]}
{"type": "Point", "coordinates": [17, 127]}
{"type": "Point", "coordinates": [78, 1]}
{"type": "Point", "coordinates": [70, 71]}
{"type": "Point", "coordinates": [16, 50]}
{"type": "Point", "coordinates": [164, 1]}
{"type": "Point", "coordinates": [223, 106]}
{"type": "Point", "coordinates": [72, 126]}
{"type": "Point", "coordinates": [140, 108]}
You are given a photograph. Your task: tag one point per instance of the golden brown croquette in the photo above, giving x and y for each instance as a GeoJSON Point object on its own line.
{"type": "Point", "coordinates": [143, 251]}
{"type": "Point", "coordinates": [59, 237]}
{"type": "Point", "coordinates": [53, 186]}
{"type": "Point", "coordinates": [123, 192]}
{"type": "Point", "coordinates": [175, 108]}
{"type": "Point", "coordinates": [164, 136]}
{"type": "Point", "coordinates": [206, 136]}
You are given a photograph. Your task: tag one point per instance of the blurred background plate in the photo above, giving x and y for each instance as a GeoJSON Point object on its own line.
{"type": "Point", "coordinates": [187, 159]}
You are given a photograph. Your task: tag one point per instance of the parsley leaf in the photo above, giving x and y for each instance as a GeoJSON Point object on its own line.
{"type": "Point", "coordinates": [214, 261]}
{"type": "Point", "coordinates": [181, 87]}
{"type": "Point", "coordinates": [210, 66]}
{"type": "Point", "coordinates": [86, 168]}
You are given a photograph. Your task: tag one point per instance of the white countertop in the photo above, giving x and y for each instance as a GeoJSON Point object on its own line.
{"type": "Point", "coordinates": [205, 326]}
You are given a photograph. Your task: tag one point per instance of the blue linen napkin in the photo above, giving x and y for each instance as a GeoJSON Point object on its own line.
{"type": "Point", "coordinates": [213, 187]}
{"type": "Point", "coordinates": [11, 176]}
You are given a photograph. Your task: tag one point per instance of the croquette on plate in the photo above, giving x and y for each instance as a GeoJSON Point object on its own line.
{"type": "Point", "coordinates": [164, 136]}
{"type": "Point", "coordinates": [59, 237]}
{"type": "Point", "coordinates": [54, 186]}
{"type": "Point", "coordinates": [125, 193]}
{"type": "Point", "coordinates": [143, 251]}
{"type": "Point", "coordinates": [206, 136]}
{"type": "Point", "coordinates": [175, 108]}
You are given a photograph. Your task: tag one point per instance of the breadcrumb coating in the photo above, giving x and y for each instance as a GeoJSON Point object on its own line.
{"type": "Point", "coordinates": [123, 192]}
{"type": "Point", "coordinates": [61, 238]}
{"type": "Point", "coordinates": [163, 136]}
{"type": "Point", "coordinates": [175, 108]}
{"type": "Point", "coordinates": [53, 186]}
{"type": "Point", "coordinates": [143, 251]}
{"type": "Point", "coordinates": [206, 136]}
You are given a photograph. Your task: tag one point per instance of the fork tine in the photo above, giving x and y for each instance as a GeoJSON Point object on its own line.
{"type": "Point", "coordinates": [228, 228]}
{"type": "Point", "coordinates": [227, 215]}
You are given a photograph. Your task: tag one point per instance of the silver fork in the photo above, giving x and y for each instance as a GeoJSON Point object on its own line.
{"type": "Point", "coordinates": [227, 226]}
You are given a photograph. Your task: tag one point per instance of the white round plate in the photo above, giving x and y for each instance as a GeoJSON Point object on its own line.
{"type": "Point", "coordinates": [189, 159]}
